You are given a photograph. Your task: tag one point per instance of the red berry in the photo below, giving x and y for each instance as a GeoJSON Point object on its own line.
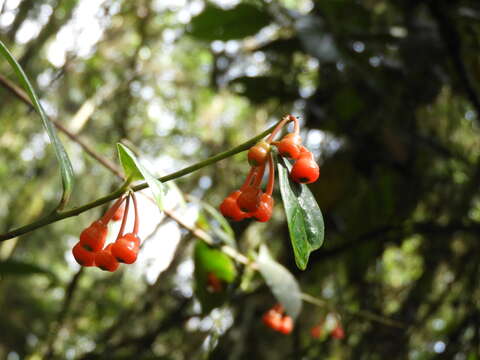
{"type": "Point", "coordinates": [105, 260]}
{"type": "Point", "coordinates": [264, 211]}
{"type": "Point", "coordinates": [249, 199]}
{"type": "Point", "coordinates": [93, 237]}
{"type": "Point", "coordinates": [289, 146]}
{"type": "Point", "coordinates": [316, 331]}
{"type": "Point", "coordinates": [83, 256]}
{"type": "Point", "coordinates": [305, 170]}
{"type": "Point", "coordinates": [338, 332]}
{"type": "Point", "coordinates": [214, 284]}
{"type": "Point", "coordinates": [118, 214]}
{"type": "Point", "coordinates": [125, 249]}
{"type": "Point", "coordinates": [258, 154]}
{"type": "Point", "coordinates": [286, 326]}
{"type": "Point", "coordinates": [272, 319]}
{"type": "Point", "coordinates": [230, 209]}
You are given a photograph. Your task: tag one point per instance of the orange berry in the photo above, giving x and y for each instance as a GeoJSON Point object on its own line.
{"type": "Point", "coordinates": [229, 207]}
{"type": "Point", "coordinates": [316, 331]}
{"type": "Point", "coordinates": [264, 211]}
{"type": "Point", "coordinates": [338, 332]}
{"type": "Point", "coordinates": [125, 249]}
{"type": "Point", "coordinates": [249, 199]}
{"type": "Point", "coordinates": [93, 237]}
{"type": "Point", "coordinates": [105, 260]}
{"type": "Point", "coordinates": [258, 154]}
{"type": "Point", "coordinates": [289, 146]}
{"type": "Point", "coordinates": [286, 326]}
{"type": "Point", "coordinates": [272, 319]}
{"type": "Point", "coordinates": [83, 256]}
{"type": "Point", "coordinates": [305, 170]}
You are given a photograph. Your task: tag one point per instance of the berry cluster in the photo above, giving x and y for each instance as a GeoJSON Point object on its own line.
{"type": "Point", "coordinates": [276, 319]}
{"type": "Point", "coordinates": [91, 249]}
{"type": "Point", "coordinates": [318, 331]}
{"type": "Point", "coordinates": [250, 201]}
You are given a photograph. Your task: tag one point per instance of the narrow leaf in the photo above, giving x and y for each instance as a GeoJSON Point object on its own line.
{"type": "Point", "coordinates": [304, 217]}
{"type": "Point", "coordinates": [209, 260]}
{"type": "Point", "coordinates": [66, 169]}
{"type": "Point", "coordinates": [134, 170]}
{"type": "Point", "coordinates": [281, 282]}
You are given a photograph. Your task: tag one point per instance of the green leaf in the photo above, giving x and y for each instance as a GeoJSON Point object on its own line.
{"type": "Point", "coordinates": [210, 260]}
{"type": "Point", "coordinates": [66, 169]}
{"type": "Point", "coordinates": [136, 171]}
{"type": "Point", "coordinates": [281, 282]}
{"type": "Point", "coordinates": [305, 220]}
{"type": "Point", "coordinates": [215, 23]}
{"type": "Point", "coordinates": [18, 268]}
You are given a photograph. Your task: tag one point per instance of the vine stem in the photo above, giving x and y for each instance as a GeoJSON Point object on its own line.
{"type": "Point", "coordinates": [60, 215]}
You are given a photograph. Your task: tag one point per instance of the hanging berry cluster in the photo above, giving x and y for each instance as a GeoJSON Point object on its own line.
{"type": "Point", "coordinates": [250, 201]}
{"type": "Point", "coordinates": [276, 319]}
{"type": "Point", "coordinates": [91, 249]}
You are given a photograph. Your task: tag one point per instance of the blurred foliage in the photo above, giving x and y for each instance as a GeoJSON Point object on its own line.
{"type": "Point", "coordinates": [389, 96]}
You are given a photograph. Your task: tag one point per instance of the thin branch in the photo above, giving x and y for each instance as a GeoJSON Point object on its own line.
{"type": "Point", "coordinates": [360, 313]}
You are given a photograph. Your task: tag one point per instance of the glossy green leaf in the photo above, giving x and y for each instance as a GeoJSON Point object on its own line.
{"type": "Point", "coordinates": [215, 23]}
{"type": "Point", "coordinates": [66, 169]}
{"type": "Point", "coordinates": [281, 282]}
{"type": "Point", "coordinates": [210, 260]}
{"type": "Point", "coordinates": [134, 170]}
{"type": "Point", "coordinates": [305, 220]}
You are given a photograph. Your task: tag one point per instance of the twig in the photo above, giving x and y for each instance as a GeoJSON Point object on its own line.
{"type": "Point", "coordinates": [360, 313]}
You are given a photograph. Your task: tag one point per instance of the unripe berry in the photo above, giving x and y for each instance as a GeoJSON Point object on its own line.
{"type": "Point", "coordinates": [249, 199]}
{"type": "Point", "coordinates": [93, 237]}
{"type": "Point", "coordinates": [83, 256]}
{"type": "Point", "coordinates": [229, 207]}
{"type": "Point", "coordinates": [338, 332]}
{"type": "Point", "coordinates": [305, 170]}
{"type": "Point", "coordinates": [287, 325]}
{"type": "Point", "coordinates": [125, 249]}
{"type": "Point", "coordinates": [258, 154]}
{"type": "Point", "coordinates": [264, 211]}
{"type": "Point", "coordinates": [105, 260]}
{"type": "Point", "coordinates": [289, 146]}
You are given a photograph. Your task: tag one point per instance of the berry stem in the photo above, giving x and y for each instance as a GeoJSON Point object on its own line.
{"type": "Point", "coordinates": [125, 216]}
{"type": "Point", "coordinates": [296, 125]}
{"type": "Point", "coordinates": [271, 175]}
{"type": "Point", "coordinates": [249, 178]}
{"type": "Point", "coordinates": [109, 214]}
{"type": "Point", "coordinates": [135, 206]}
{"type": "Point", "coordinates": [259, 175]}
{"type": "Point", "coordinates": [279, 127]}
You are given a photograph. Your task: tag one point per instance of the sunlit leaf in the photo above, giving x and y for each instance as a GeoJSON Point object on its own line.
{"type": "Point", "coordinates": [305, 220]}
{"type": "Point", "coordinates": [134, 170]}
